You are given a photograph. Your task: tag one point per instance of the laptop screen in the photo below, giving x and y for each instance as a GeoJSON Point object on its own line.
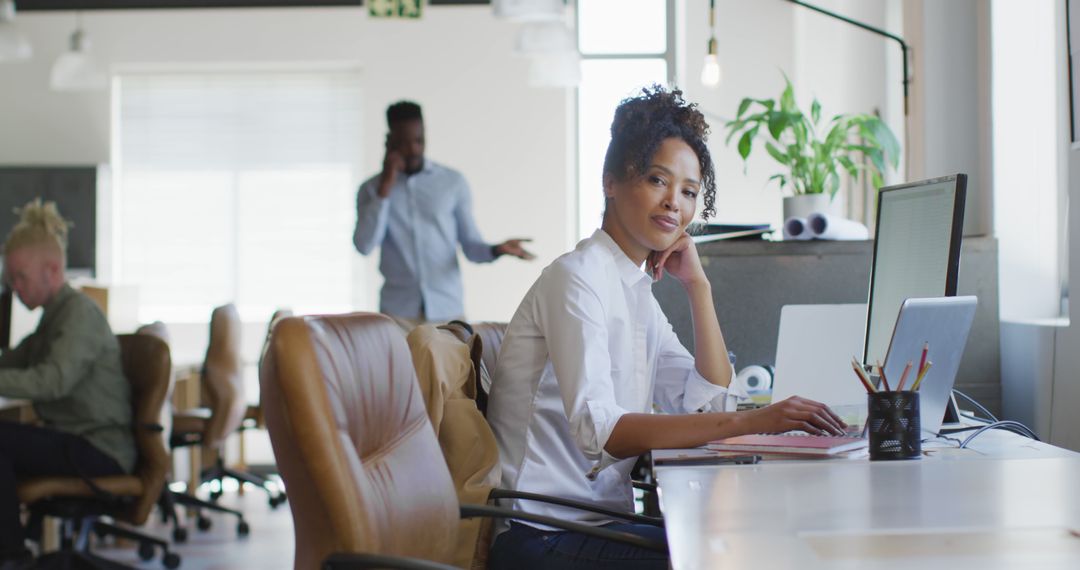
{"type": "Point", "coordinates": [916, 252]}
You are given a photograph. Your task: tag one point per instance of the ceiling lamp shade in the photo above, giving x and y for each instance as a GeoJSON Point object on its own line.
{"type": "Point", "coordinates": [76, 69]}
{"type": "Point", "coordinates": [528, 10]}
{"type": "Point", "coordinates": [13, 45]}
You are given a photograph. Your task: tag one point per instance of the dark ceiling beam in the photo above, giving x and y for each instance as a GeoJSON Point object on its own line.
{"type": "Point", "coordinates": [46, 5]}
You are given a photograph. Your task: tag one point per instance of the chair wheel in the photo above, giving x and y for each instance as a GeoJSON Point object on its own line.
{"type": "Point", "coordinates": [203, 523]}
{"type": "Point", "coordinates": [242, 528]}
{"type": "Point", "coordinates": [215, 495]}
{"type": "Point", "coordinates": [277, 500]}
{"type": "Point", "coordinates": [179, 534]}
{"type": "Point", "coordinates": [146, 550]}
{"type": "Point", "coordinates": [171, 560]}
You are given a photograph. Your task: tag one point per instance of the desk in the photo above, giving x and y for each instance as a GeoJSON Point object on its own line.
{"type": "Point", "coordinates": [1005, 503]}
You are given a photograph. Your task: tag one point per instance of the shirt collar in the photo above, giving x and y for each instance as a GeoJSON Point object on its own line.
{"type": "Point", "coordinates": [59, 298]}
{"type": "Point", "coordinates": [631, 274]}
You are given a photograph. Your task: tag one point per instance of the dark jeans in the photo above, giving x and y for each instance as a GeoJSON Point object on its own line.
{"type": "Point", "coordinates": [29, 451]}
{"type": "Point", "coordinates": [526, 548]}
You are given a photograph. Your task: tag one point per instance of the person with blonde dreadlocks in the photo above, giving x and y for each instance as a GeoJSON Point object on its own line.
{"type": "Point", "coordinates": [69, 368]}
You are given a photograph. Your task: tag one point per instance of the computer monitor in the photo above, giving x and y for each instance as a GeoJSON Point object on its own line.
{"type": "Point", "coordinates": [916, 252]}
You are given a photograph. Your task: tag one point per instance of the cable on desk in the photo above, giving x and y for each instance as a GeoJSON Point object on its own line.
{"type": "Point", "coordinates": [1015, 427]}
{"type": "Point", "coordinates": [981, 408]}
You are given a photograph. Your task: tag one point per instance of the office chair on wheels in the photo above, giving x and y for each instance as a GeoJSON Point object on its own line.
{"type": "Point", "coordinates": [208, 427]}
{"type": "Point", "coordinates": [354, 444]}
{"type": "Point", "coordinates": [81, 502]}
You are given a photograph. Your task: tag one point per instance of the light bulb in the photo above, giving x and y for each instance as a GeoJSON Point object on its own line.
{"type": "Point", "coordinates": [710, 71]}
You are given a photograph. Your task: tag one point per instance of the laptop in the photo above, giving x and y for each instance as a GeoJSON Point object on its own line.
{"type": "Point", "coordinates": [944, 324]}
{"type": "Point", "coordinates": [814, 348]}
{"type": "Point", "coordinates": [816, 343]}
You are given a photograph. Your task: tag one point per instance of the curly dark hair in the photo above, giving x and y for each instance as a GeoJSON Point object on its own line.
{"type": "Point", "coordinates": [644, 121]}
{"type": "Point", "coordinates": [403, 111]}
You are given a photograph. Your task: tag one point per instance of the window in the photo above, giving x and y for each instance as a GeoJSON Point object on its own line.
{"type": "Point", "coordinates": [625, 45]}
{"type": "Point", "coordinates": [236, 186]}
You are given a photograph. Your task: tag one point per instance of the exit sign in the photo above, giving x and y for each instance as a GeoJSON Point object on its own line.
{"type": "Point", "coordinates": [395, 8]}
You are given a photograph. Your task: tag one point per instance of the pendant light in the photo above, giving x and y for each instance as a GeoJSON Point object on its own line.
{"type": "Point", "coordinates": [13, 44]}
{"type": "Point", "coordinates": [77, 69]}
{"type": "Point", "coordinates": [710, 70]}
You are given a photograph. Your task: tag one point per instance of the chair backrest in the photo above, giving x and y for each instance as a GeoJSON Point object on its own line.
{"type": "Point", "coordinates": [148, 367]}
{"type": "Point", "coordinates": [222, 376]}
{"type": "Point", "coordinates": [353, 442]}
{"type": "Point", "coordinates": [156, 328]}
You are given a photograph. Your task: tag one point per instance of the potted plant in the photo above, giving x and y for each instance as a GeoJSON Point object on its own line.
{"type": "Point", "coordinates": [813, 155]}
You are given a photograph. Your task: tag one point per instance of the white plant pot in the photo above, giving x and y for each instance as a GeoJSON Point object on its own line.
{"type": "Point", "coordinates": [803, 205]}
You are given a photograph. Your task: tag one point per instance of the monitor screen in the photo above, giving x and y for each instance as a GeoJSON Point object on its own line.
{"type": "Point", "coordinates": [916, 252]}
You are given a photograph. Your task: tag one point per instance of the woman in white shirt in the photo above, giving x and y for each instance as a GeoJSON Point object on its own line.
{"type": "Point", "coordinates": [589, 354]}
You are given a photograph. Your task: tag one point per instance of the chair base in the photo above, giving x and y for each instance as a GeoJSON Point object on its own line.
{"type": "Point", "coordinates": [75, 560]}
{"type": "Point", "coordinates": [219, 472]}
{"type": "Point", "coordinates": [170, 502]}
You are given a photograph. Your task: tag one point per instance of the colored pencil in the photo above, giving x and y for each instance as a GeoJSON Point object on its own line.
{"type": "Point", "coordinates": [884, 380]}
{"type": "Point", "coordinates": [903, 377]}
{"type": "Point", "coordinates": [922, 374]}
{"type": "Point", "coordinates": [866, 383]}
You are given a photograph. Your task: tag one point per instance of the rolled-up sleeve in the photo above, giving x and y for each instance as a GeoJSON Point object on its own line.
{"type": "Point", "coordinates": [680, 388]}
{"type": "Point", "coordinates": [578, 349]}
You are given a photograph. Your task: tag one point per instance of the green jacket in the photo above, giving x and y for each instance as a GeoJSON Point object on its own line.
{"type": "Point", "coordinates": [69, 367]}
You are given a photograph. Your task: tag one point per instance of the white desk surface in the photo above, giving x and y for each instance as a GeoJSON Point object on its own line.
{"type": "Point", "coordinates": [1007, 502]}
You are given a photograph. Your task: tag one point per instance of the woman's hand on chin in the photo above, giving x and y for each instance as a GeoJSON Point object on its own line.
{"type": "Point", "coordinates": [680, 260]}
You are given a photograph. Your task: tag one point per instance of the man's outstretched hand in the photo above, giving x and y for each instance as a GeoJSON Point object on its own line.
{"type": "Point", "coordinates": [513, 247]}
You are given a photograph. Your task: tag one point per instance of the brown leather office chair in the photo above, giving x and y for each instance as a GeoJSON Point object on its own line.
{"type": "Point", "coordinates": [223, 392]}
{"type": "Point", "coordinates": [127, 498]}
{"type": "Point", "coordinates": [367, 483]}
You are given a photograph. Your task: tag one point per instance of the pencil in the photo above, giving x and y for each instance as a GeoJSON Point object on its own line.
{"type": "Point", "coordinates": [866, 383]}
{"type": "Point", "coordinates": [862, 373]}
{"type": "Point", "coordinates": [884, 380]}
{"type": "Point", "coordinates": [903, 377]}
{"type": "Point", "coordinates": [922, 374]}
{"type": "Point", "coordinates": [922, 361]}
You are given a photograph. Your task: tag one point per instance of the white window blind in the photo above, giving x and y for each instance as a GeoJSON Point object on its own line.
{"type": "Point", "coordinates": [237, 187]}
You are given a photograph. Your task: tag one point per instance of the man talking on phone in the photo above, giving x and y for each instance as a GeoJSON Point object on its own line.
{"type": "Point", "coordinates": [419, 211]}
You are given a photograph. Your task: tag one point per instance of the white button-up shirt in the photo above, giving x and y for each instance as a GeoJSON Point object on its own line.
{"type": "Point", "coordinates": [588, 344]}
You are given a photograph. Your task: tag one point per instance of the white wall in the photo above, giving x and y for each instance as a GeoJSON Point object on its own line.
{"type": "Point", "coordinates": [508, 139]}
{"type": "Point", "coordinates": [950, 100]}
{"type": "Point", "coordinates": [843, 66]}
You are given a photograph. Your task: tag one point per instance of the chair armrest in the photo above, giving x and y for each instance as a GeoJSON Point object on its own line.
{"type": "Point", "coordinates": [470, 511]}
{"type": "Point", "coordinates": [629, 517]}
{"type": "Point", "coordinates": [647, 487]}
{"type": "Point", "coordinates": [347, 560]}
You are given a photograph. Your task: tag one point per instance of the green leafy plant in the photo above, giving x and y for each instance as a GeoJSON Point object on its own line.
{"type": "Point", "coordinates": [813, 161]}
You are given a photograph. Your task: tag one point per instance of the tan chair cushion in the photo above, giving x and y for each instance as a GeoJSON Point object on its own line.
{"type": "Point", "coordinates": [446, 370]}
{"type": "Point", "coordinates": [40, 488]}
{"type": "Point", "coordinates": [353, 442]}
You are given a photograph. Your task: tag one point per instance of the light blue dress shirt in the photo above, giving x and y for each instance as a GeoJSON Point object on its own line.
{"type": "Point", "coordinates": [419, 226]}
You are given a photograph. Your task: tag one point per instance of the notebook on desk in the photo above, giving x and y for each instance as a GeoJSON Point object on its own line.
{"type": "Point", "coordinates": [788, 444]}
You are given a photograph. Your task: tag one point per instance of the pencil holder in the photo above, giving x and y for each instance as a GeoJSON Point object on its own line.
{"type": "Point", "coordinates": [893, 420]}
